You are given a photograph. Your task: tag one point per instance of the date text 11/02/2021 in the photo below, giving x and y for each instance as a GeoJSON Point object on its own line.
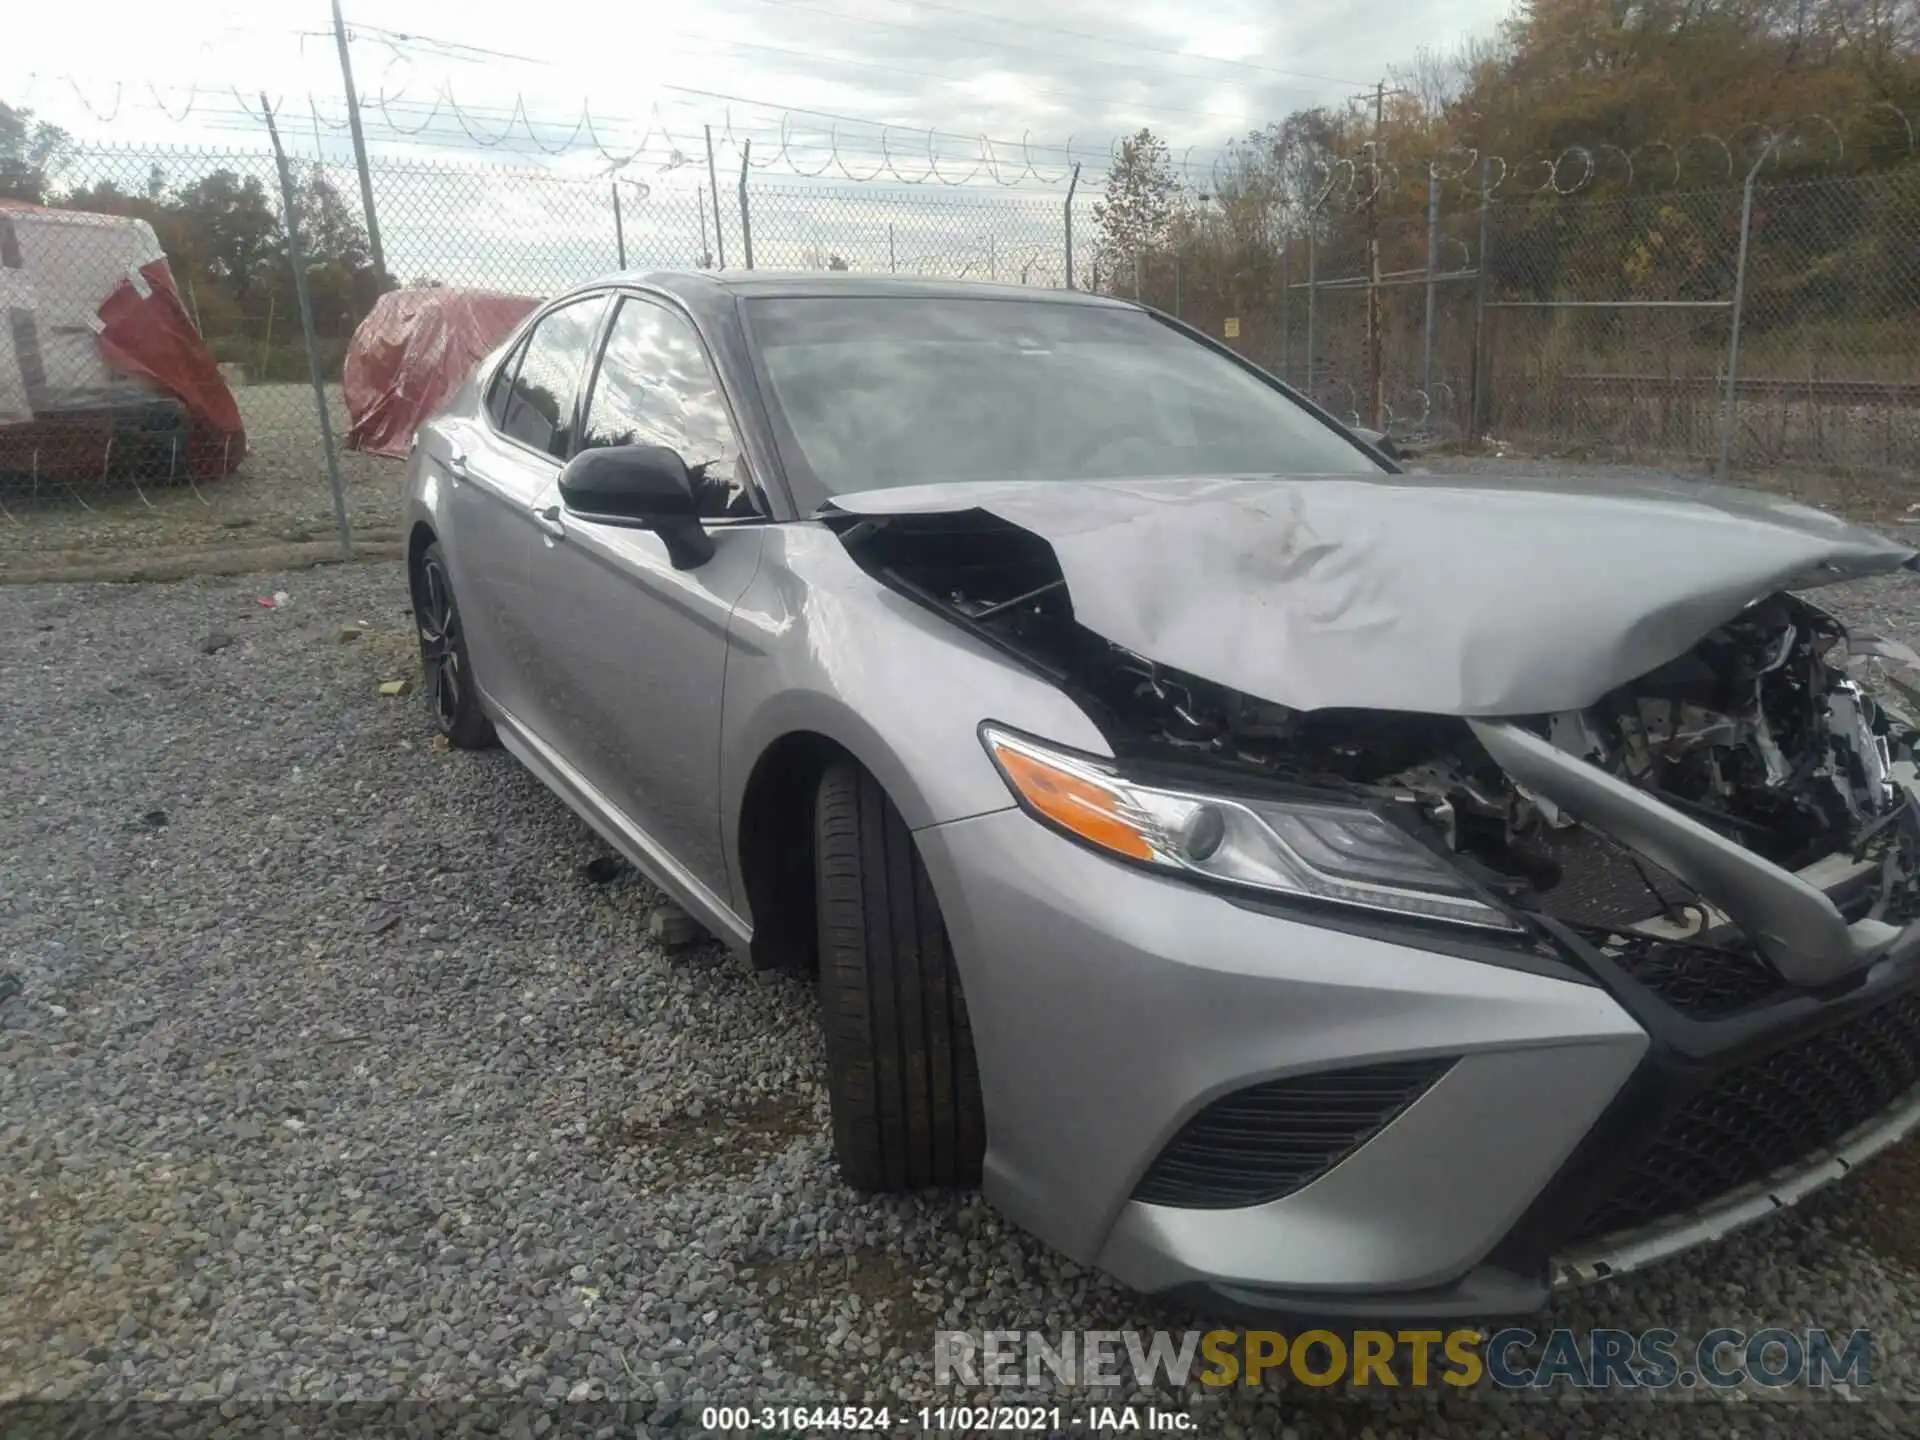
{"type": "Point", "coordinates": [970, 1419]}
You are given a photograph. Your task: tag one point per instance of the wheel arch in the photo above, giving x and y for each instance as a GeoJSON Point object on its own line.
{"type": "Point", "coordinates": [418, 539]}
{"type": "Point", "coordinates": [775, 848]}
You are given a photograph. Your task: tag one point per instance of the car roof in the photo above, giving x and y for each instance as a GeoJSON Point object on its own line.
{"type": "Point", "coordinates": [700, 288]}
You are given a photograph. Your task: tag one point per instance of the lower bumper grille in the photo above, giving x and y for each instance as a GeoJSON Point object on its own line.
{"type": "Point", "coordinates": [1757, 1116]}
{"type": "Point", "coordinates": [1269, 1140]}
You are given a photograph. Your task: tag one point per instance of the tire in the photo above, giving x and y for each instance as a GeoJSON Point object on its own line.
{"type": "Point", "coordinates": [901, 1075]}
{"type": "Point", "coordinates": [452, 698]}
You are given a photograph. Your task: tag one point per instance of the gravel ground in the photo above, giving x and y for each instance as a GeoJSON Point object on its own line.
{"type": "Point", "coordinates": [335, 1075]}
{"type": "Point", "coordinates": [278, 494]}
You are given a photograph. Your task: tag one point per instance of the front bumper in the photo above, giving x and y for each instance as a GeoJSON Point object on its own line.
{"type": "Point", "coordinates": [1110, 1006]}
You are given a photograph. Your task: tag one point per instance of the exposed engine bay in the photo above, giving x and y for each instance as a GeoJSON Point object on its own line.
{"type": "Point", "coordinates": [1759, 733]}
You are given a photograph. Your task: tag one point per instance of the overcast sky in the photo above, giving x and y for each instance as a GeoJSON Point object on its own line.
{"type": "Point", "coordinates": [1048, 69]}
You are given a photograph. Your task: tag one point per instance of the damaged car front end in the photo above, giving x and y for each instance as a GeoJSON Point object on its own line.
{"type": "Point", "coordinates": [1275, 878]}
{"type": "Point", "coordinates": [1557, 916]}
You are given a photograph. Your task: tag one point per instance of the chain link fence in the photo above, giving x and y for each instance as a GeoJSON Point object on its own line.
{"type": "Point", "coordinates": [1605, 325]}
{"type": "Point", "coordinates": [1607, 322]}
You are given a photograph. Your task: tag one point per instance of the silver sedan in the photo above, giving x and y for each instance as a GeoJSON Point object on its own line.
{"type": "Point", "coordinates": [1274, 877]}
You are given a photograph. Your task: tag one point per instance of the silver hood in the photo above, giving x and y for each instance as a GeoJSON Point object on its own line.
{"type": "Point", "coordinates": [1452, 595]}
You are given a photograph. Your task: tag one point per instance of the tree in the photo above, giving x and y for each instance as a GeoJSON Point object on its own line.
{"type": "Point", "coordinates": [328, 226]}
{"type": "Point", "coordinates": [226, 245]}
{"type": "Point", "coordinates": [225, 224]}
{"type": "Point", "coordinates": [1138, 210]}
{"type": "Point", "coordinates": [342, 280]}
{"type": "Point", "coordinates": [30, 151]}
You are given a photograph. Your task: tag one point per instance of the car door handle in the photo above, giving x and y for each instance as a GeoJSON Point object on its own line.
{"type": "Point", "coordinates": [549, 522]}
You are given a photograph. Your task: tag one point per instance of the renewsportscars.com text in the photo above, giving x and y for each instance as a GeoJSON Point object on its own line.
{"type": "Point", "coordinates": [1509, 1359]}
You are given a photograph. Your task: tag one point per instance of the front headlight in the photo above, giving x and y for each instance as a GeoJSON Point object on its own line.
{"type": "Point", "coordinates": [1343, 854]}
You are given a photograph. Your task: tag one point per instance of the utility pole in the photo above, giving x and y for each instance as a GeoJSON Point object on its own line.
{"type": "Point", "coordinates": [359, 141]}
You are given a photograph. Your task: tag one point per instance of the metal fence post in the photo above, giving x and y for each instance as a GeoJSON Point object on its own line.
{"type": "Point", "coordinates": [713, 184]}
{"type": "Point", "coordinates": [1286, 307]}
{"type": "Point", "coordinates": [1739, 302]}
{"type": "Point", "coordinates": [1482, 380]}
{"type": "Point", "coordinates": [1312, 277]}
{"type": "Point", "coordinates": [619, 228]}
{"type": "Point", "coordinates": [1376, 379]}
{"type": "Point", "coordinates": [746, 220]}
{"type": "Point", "coordinates": [1433, 266]}
{"type": "Point", "coordinates": [297, 257]}
{"type": "Point", "coordinates": [1072, 185]}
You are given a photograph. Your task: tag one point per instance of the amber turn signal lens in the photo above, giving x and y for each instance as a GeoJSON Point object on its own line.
{"type": "Point", "coordinates": [1075, 802]}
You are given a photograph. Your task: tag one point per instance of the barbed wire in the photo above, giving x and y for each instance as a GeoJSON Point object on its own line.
{"type": "Point", "coordinates": [796, 143]}
{"type": "Point", "coordinates": [847, 146]}
{"type": "Point", "coordinates": [1350, 181]}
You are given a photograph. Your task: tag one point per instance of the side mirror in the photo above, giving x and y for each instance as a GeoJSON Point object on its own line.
{"type": "Point", "coordinates": [644, 487]}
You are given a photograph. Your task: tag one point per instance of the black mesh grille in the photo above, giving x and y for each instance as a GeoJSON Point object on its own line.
{"type": "Point", "coordinates": [1602, 883]}
{"type": "Point", "coordinates": [1258, 1144]}
{"type": "Point", "coordinates": [1702, 982]}
{"type": "Point", "coordinates": [1754, 1118]}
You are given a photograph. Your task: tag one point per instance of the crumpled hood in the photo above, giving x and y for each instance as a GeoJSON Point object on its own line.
{"type": "Point", "coordinates": [1452, 595]}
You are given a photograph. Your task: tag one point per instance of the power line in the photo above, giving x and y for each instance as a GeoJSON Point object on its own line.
{"type": "Point", "coordinates": [832, 117]}
{"type": "Point", "coordinates": [820, 58]}
{"type": "Point", "coordinates": [1035, 50]}
{"type": "Point", "coordinates": [816, 57]}
{"type": "Point", "coordinates": [1026, 24]}
{"type": "Point", "coordinates": [408, 37]}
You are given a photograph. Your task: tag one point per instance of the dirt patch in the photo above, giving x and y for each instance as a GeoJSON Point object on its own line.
{"type": "Point", "coordinates": [73, 1273]}
{"type": "Point", "coordinates": [715, 1140]}
{"type": "Point", "coordinates": [841, 1319]}
{"type": "Point", "coordinates": [395, 654]}
{"type": "Point", "coordinates": [79, 567]}
{"type": "Point", "coordinates": [1882, 1204]}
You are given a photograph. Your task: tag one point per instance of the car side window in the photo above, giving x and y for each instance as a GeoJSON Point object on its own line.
{"type": "Point", "coordinates": [656, 388]}
{"type": "Point", "coordinates": [540, 401]}
{"type": "Point", "coordinates": [502, 386]}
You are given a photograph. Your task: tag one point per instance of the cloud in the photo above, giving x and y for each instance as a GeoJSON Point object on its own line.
{"type": "Point", "coordinates": [1048, 68]}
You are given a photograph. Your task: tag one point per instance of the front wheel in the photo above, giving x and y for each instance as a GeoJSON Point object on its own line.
{"type": "Point", "coordinates": [451, 696]}
{"type": "Point", "coordinates": [901, 1076]}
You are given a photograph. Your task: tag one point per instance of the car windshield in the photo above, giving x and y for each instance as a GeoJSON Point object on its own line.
{"type": "Point", "coordinates": [882, 391]}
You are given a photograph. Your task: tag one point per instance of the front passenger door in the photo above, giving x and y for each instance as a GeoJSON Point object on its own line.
{"type": "Point", "coordinates": [635, 651]}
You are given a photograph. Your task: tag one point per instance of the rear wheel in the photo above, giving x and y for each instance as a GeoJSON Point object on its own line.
{"type": "Point", "coordinates": [904, 1087]}
{"type": "Point", "coordinates": [451, 696]}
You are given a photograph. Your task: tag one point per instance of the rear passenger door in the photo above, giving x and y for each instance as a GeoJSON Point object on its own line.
{"type": "Point", "coordinates": [532, 409]}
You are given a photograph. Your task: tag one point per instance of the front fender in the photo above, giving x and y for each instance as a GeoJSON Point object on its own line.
{"type": "Point", "coordinates": [817, 645]}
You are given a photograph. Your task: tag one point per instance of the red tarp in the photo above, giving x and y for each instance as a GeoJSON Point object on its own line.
{"type": "Point", "coordinates": [152, 336]}
{"type": "Point", "coordinates": [412, 351]}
